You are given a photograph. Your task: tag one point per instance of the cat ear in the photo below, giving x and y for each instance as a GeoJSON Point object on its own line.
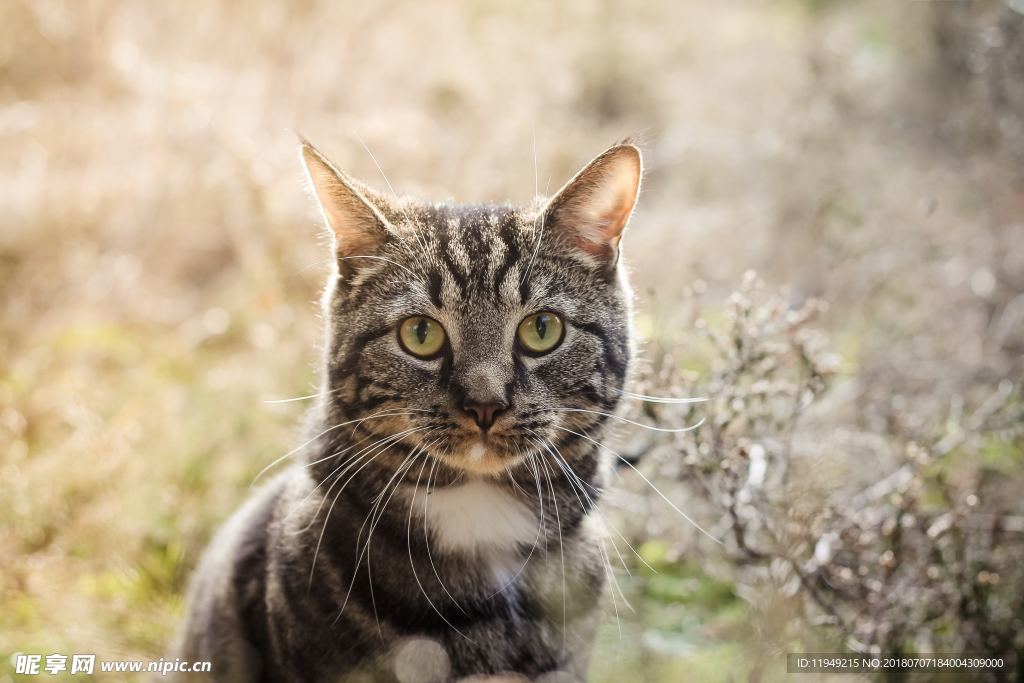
{"type": "Point", "coordinates": [591, 210]}
{"type": "Point", "coordinates": [359, 227]}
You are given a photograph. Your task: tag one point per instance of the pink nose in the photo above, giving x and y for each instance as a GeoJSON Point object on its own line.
{"type": "Point", "coordinates": [484, 414]}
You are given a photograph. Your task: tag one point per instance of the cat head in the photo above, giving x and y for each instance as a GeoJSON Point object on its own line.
{"type": "Point", "coordinates": [478, 334]}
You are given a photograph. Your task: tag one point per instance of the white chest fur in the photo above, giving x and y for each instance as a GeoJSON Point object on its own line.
{"type": "Point", "coordinates": [478, 516]}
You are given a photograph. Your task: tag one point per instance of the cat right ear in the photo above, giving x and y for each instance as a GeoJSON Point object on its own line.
{"type": "Point", "coordinates": [358, 226]}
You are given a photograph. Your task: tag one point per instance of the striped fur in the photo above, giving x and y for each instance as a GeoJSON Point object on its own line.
{"type": "Point", "coordinates": [393, 544]}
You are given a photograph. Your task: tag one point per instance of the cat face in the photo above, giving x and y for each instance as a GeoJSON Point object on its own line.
{"type": "Point", "coordinates": [478, 334]}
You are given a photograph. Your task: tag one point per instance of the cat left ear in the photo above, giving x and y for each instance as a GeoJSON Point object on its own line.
{"type": "Point", "coordinates": [358, 226]}
{"type": "Point", "coordinates": [591, 211]}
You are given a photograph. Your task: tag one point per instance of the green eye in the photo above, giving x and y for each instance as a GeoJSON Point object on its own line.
{"type": "Point", "coordinates": [540, 332]}
{"type": "Point", "coordinates": [421, 336]}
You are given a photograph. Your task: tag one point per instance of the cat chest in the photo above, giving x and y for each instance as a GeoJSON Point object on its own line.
{"type": "Point", "coordinates": [477, 517]}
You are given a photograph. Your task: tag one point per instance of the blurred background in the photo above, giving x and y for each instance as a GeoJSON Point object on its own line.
{"type": "Point", "coordinates": [862, 455]}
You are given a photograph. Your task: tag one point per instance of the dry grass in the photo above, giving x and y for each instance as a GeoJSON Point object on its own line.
{"type": "Point", "coordinates": [159, 262]}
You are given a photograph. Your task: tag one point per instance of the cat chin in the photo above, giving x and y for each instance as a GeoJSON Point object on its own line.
{"type": "Point", "coordinates": [478, 458]}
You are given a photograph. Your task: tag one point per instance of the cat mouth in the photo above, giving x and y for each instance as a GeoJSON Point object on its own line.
{"type": "Point", "coordinates": [483, 455]}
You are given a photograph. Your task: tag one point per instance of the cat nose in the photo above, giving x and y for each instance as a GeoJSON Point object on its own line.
{"type": "Point", "coordinates": [484, 414]}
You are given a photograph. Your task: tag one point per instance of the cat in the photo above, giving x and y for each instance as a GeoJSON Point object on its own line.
{"type": "Point", "coordinates": [442, 523]}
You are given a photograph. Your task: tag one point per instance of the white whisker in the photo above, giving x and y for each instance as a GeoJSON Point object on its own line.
{"type": "Point", "coordinates": [366, 546]}
{"type": "Point", "coordinates": [561, 547]}
{"type": "Point", "coordinates": [662, 399]}
{"type": "Point", "coordinates": [398, 200]}
{"type": "Point", "coordinates": [649, 483]}
{"type": "Point", "coordinates": [379, 258]}
{"type": "Point", "coordinates": [327, 517]}
{"type": "Point", "coordinates": [542, 217]}
{"type": "Point", "coordinates": [329, 429]}
{"type": "Point", "coordinates": [293, 399]}
{"type": "Point", "coordinates": [374, 449]}
{"type": "Point", "coordinates": [561, 461]}
{"type": "Point", "coordinates": [402, 470]}
{"type": "Point", "coordinates": [426, 537]}
{"type": "Point", "coordinates": [541, 529]}
{"type": "Point", "coordinates": [669, 430]}
{"type": "Point", "coordinates": [415, 574]}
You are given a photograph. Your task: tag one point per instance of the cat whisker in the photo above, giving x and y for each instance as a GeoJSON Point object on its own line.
{"type": "Point", "coordinates": [377, 511]}
{"type": "Point", "coordinates": [536, 180]}
{"type": "Point", "coordinates": [668, 430]}
{"type": "Point", "coordinates": [648, 481]}
{"type": "Point", "coordinates": [379, 258]}
{"type": "Point", "coordinates": [372, 518]}
{"type": "Point", "coordinates": [534, 459]}
{"type": "Point", "coordinates": [536, 247]}
{"type": "Point", "coordinates": [398, 200]}
{"type": "Point", "coordinates": [403, 469]}
{"type": "Point", "coordinates": [541, 528]}
{"type": "Point", "coordinates": [532, 462]}
{"type": "Point", "coordinates": [614, 581]}
{"type": "Point", "coordinates": [329, 429]}
{"type": "Point", "coordinates": [291, 453]}
{"type": "Point", "coordinates": [561, 547]}
{"type": "Point", "coordinates": [343, 451]}
{"type": "Point", "coordinates": [412, 411]}
{"type": "Point", "coordinates": [662, 399]}
{"type": "Point", "coordinates": [609, 571]}
{"type": "Point", "coordinates": [366, 546]}
{"type": "Point", "coordinates": [380, 446]}
{"type": "Point", "coordinates": [562, 462]}
{"type": "Point", "coordinates": [542, 217]}
{"type": "Point", "coordinates": [293, 399]}
{"type": "Point", "coordinates": [358, 457]}
{"type": "Point", "coordinates": [426, 538]}
{"type": "Point", "coordinates": [512, 478]}
{"type": "Point", "coordinates": [343, 466]}
{"type": "Point", "coordinates": [607, 560]}
{"type": "Point", "coordinates": [415, 574]}
{"type": "Point", "coordinates": [315, 395]}
{"type": "Point", "coordinates": [542, 525]}
{"type": "Point", "coordinates": [340, 471]}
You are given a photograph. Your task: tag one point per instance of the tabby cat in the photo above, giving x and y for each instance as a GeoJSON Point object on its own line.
{"type": "Point", "coordinates": [442, 522]}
